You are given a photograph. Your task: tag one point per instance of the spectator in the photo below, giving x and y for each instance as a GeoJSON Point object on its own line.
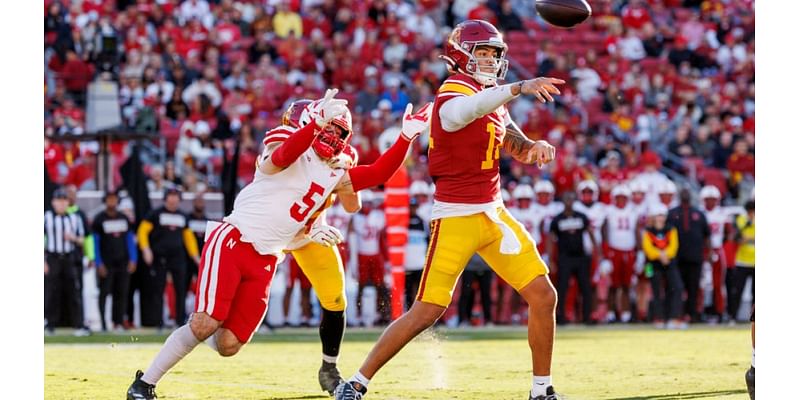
{"type": "Point", "coordinates": [745, 227]}
{"type": "Point", "coordinates": [652, 40]}
{"type": "Point", "coordinates": [587, 80]}
{"type": "Point", "coordinates": [635, 15]}
{"type": "Point", "coordinates": [508, 19]}
{"type": "Point", "coordinates": [370, 245]}
{"type": "Point", "coordinates": [286, 22]}
{"type": "Point", "coordinates": [680, 53]}
{"type": "Point", "coordinates": [741, 164]}
{"type": "Point", "coordinates": [196, 10]}
{"type": "Point", "coordinates": [660, 244]}
{"type": "Point", "coordinates": [631, 47]}
{"type": "Point", "coordinates": [76, 74]}
{"type": "Point", "coordinates": [115, 257]}
{"type": "Point", "coordinates": [693, 235]}
{"type": "Point", "coordinates": [570, 229]}
{"type": "Point", "coordinates": [204, 86]}
{"type": "Point", "coordinates": [395, 51]}
{"type": "Point", "coordinates": [395, 96]}
{"type": "Point", "coordinates": [476, 271]}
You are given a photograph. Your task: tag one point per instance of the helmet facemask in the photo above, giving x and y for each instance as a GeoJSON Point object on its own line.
{"type": "Point", "coordinates": [497, 63]}
{"type": "Point", "coordinates": [332, 140]}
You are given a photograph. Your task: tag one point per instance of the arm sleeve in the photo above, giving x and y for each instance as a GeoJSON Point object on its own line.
{"type": "Point", "coordinates": [458, 112]}
{"type": "Point", "coordinates": [133, 254]}
{"type": "Point", "coordinates": [294, 146]}
{"type": "Point", "coordinates": [97, 259]}
{"type": "Point", "coordinates": [364, 176]}
{"type": "Point", "coordinates": [143, 234]}
{"type": "Point", "coordinates": [190, 242]}
{"type": "Point", "coordinates": [89, 247]}
{"type": "Point", "coordinates": [650, 251]}
{"type": "Point", "coordinates": [672, 248]}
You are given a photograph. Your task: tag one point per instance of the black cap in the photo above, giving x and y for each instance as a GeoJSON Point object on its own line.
{"type": "Point", "coordinates": [171, 190]}
{"type": "Point", "coordinates": [60, 194]}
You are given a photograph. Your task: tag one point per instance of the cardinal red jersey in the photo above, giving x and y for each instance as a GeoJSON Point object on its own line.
{"type": "Point", "coordinates": [464, 164]}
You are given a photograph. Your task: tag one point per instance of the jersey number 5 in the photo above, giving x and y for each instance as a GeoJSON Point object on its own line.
{"type": "Point", "coordinates": [492, 152]}
{"type": "Point", "coordinates": [297, 211]}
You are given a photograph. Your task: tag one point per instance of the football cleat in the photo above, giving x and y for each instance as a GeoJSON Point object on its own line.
{"type": "Point", "coordinates": [750, 378]}
{"type": "Point", "coordinates": [349, 391]}
{"type": "Point", "coordinates": [141, 390]}
{"type": "Point", "coordinates": [329, 377]}
{"type": "Point", "coordinates": [551, 395]}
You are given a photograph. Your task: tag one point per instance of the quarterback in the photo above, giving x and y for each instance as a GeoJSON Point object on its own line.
{"type": "Point", "coordinates": [469, 126]}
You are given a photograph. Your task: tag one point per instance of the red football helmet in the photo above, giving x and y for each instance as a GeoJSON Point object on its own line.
{"type": "Point", "coordinates": [291, 117]}
{"type": "Point", "coordinates": [461, 45]}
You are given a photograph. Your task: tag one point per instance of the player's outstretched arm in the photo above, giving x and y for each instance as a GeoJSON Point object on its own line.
{"type": "Point", "coordinates": [365, 176]}
{"type": "Point", "coordinates": [321, 112]}
{"type": "Point", "coordinates": [524, 150]}
{"type": "Point", "coordinates": [460, 111]}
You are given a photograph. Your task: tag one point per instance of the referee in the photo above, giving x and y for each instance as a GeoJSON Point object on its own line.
{"type": "Point", "coordinates": [115, 256]}
{"type": "Point", "coordinates": [62, 235]}
{"type": "Point", "coordinates": [165, 238]}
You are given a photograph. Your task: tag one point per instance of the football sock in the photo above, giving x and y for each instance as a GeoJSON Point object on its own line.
{"type": "Point", "coordinates": [540, 385]}
{"type": "Point", "coordinates": [331, 331]}
{"type": "Point", "coordinates": [358, 377]}
{"type": "Point", "coordinates": [178, 345]}
{"type": "Point", "coordinates": [212, 342]}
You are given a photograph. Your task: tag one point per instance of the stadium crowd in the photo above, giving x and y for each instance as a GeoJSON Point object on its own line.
{"type": "Point", "coordinates": [660, 94]}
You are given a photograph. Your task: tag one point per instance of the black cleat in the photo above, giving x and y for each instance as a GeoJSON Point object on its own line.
{"type": "Point", "coordinates": [750, 378]}
{"type": "Point", "coordinates": [349, 391]}
{"type": "Point", "coordinates": [141, 390]}
{"type": "Point", "coordinates": [329, 377]}
{"type": "Point", "coordinates": [551, 395]}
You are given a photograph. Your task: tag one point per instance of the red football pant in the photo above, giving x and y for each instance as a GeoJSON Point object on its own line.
{"type": "Point", "coordinates": [623, 262]}
{"type": "Point", "coordinates": [370, 270]}
{"type": "Point", "coordinates": [234, 281]}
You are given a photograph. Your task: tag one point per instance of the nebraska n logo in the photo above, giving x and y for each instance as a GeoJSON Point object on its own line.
{"type": "Point", "coordinates": [231, 243]}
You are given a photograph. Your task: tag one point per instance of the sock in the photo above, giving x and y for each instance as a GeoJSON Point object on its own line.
{"type": "Point", "coordinates": [753, 361]}
{"type": "Point", "coordinates": [212, 342]}
{"type": "Point", "coordinates": [358, 377]}
{"type": "Point", "coordinates": [540, 385]}
{"type": "Point", "coordinates": [178, 345]}
{"type": "Point", "coordinates": [331, 331]}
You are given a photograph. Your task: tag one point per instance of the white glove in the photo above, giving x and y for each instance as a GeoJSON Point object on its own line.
{"type": "Point", "coordinates": [345, 160]}
{"type": "Point", "coordinates": [325, 235]}
{"type": "Point", "coordinates": [639, 265]}
{"type": "Point", "coordinates": [605, 267]}
{"type": "Point", "coordinates": [414, 124]}
{"type": "Point", "coordinates": [324, 110]}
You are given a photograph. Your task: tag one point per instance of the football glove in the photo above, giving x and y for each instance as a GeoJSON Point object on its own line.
{"type": "Point", "coordinates": [325, 235]}
{"type": "Point", "coordinates": [324, 110]}
{"type": "Point", "coordinates": [414, 124]}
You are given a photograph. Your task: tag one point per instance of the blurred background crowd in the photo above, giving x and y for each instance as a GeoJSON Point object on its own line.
{"type": "Point", "coordinates": [660, 95]}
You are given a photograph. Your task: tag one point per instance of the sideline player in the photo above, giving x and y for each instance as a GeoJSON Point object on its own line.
{"type": "Point", "coordinates": [621, 240]}
{"type": "Point", "coordinates": [292, 181]}
{"type": "Point", "coordinates": [470, 123]}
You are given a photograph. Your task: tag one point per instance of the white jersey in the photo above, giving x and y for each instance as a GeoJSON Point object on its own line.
{"type": "Point", "coordinates": [273, 209]}
{"type": "Point", "coordinates": [621, 224]}
{"type": "Point", "coordinates": [531, 219]}
{"type": "Point", "coordinates": [549, 212]}
{"type": "Point", "coordinates": [596, 214]}
{"type": "Point", "coordinates": [717, 218]}
{"type": "Point", "coordinates": [368, 230]}
{"type": "Point", "coordinates": [640, 210]}
{"type": "Point", "coordinates": [338, 218]}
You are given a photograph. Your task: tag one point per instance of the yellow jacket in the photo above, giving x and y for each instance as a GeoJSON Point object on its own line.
{"type": "Point", "coordinates": [746, 253]}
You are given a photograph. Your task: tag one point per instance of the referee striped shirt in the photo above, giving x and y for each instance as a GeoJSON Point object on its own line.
{"type": "Point", "coordinates": [55, 228]}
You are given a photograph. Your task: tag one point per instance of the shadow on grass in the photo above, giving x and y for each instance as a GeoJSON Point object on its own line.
{"type": "Point", "coordinates": [313, 396]}
{"type": "Point", "coordinates": [684, 396]}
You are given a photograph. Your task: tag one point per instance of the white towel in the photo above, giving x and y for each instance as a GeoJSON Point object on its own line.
{"type": "Point", "coordinates": [510, 244]}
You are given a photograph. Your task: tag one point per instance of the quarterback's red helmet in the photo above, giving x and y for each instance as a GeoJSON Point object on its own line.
{"type": "Point", "coordinates": [291, 117]}
{"type": "Point", "coordinates": [461, 45]}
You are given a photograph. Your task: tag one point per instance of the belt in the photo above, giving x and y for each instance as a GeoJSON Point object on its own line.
{"type": "Point", "coordinates": [58, 255]}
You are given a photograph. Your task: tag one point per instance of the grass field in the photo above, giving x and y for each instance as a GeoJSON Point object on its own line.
{"type": "Point", "coordinates": [598, 363]}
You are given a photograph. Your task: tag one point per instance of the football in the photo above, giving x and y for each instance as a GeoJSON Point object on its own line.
{"type": "Point", "coordinates": [563, 13]}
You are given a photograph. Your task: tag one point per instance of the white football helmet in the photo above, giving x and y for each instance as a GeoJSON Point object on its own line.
{"type": "Point", "coordinates": [590, 185]}
{"type": "Point", "coordinates": [710, 192]}
{"type": "Point", "coordinates": [637, 186]}
{"type": "Point", "coordinates": [620, 190]}
{"type": "Point", "coordinates": [418, 188]}
{"type": "Point", "coordinates": [667, 187]}
{"type": "Point", "coordinates": [657, 209]}
{"type": "Point", "coordinates": [544, 186]}
{"type": "Point", "coordinates": [523, 191]}
{"type": "Point", "coordinates": [506, 195]}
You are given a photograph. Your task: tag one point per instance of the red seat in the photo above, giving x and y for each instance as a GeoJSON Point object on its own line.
{"type": "Point", "coordinates": [716, 177]}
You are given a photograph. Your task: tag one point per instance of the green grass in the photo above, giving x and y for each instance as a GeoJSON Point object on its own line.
{"type": "Point", "coordinates": [600, 363]}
